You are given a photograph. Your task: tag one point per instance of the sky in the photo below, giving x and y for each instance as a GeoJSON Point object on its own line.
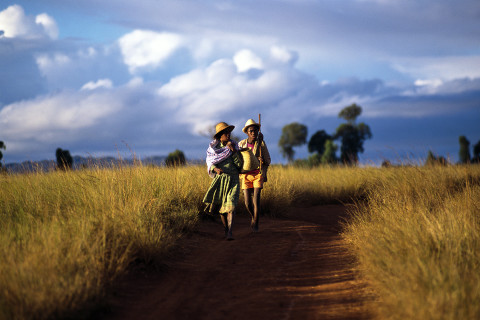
{"type": "Point", "coordinates": [147, 77]}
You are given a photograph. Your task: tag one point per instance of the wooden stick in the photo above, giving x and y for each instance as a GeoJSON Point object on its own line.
{"type": "Point", "coordinates": [260, 142]}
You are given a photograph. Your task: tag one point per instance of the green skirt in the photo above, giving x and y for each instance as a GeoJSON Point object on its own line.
{"type": "Point", "coordinates": [223, 193]}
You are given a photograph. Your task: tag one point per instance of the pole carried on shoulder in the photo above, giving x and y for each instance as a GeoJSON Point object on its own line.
{"type": "Point", "coordinates": [260, 140]}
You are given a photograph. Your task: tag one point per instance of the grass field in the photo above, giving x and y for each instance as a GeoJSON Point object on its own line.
{"type": "Point", "coordinates": [66, 236]}
{"type": "Point", "coordinates": [417, 238]}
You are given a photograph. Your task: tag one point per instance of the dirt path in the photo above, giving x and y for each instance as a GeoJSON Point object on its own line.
{"type": "Point", "coordinates": [294, 268]}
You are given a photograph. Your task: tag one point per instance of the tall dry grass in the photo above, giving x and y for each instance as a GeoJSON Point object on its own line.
{"type": "Point", "coordinates": [66, 236]}
{"type": "Point", "coordinates": [417, 238]}
{"type": "Point", "coordinates": [320, 185]}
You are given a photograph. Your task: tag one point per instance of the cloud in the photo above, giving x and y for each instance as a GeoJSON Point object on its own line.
{"type": "Point", "coordinates": [230, 66]}
{"type": "Point", "coordinates": [283, 55]}
{"type": "Point", "coordinates": [90, 121]}
{"type": "Point", "coordinates": [48, 24]}
{"type": "Point", "coordinates": [135, 82]}
{"type": "Point", "coordinates": [449, 98]}
{"type": "Point", "coordinates": [47, 63]}
{"type": "Point", "coordinates": [246, 60]}
{"type": "Point", "coordinates": [67, 112]}
{"type": "Point", "coordinates": [68, 65]}
{"type": "Point", "coordinates": [153, 118]}
{"type": "Point", "coordinates": [427, 69]}
{"type": "Point", "coordinates": [101, 83]}
{"type": "Point", "coordinates": [15, 24]}
{"type": "Point", "coordinates": [144, 49]}
{"type": "Point", "coordinates": [223, 90]}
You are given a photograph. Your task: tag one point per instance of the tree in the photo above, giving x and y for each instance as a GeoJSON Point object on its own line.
{"type": "Point", "coordinates": [175, 158]}
{"type": "Point", "coordinates": [351, 134]}
{"type": "Point", "coordinates": [2, 146]}
{"type": "Point", "coordinates": [293, 135]}
{"type": "Point", "coordinates": [329, 155]}
{"type": "Point", "coordinates": [311, 162]}
{"type": "Point", "coordinates": [350, 113]}
{"type": "Point", "coordinates": [64, 159]}
{"type": "Point", "coordinates": [433, 160]}
{"type": "Point", "coordinates": [464, 153]}
{"type": "Point", "coordinates": [317, 142]}
{"type": "Point", "coordinates": [386, 163]}
{"type": "Point", "coordinates": [476, 153]}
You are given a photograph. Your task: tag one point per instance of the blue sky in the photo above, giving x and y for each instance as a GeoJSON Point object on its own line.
{"type": "Point", "coordinates": [106, 77]}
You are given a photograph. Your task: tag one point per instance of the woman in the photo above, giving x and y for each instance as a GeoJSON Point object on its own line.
{"type": "Point", "coordinates": [224, 163]}
{"type": "Point", "coordinates": [252, 181]}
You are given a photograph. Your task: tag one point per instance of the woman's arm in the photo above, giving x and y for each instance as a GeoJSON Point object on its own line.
{"type": "Point", "coordinates": [231, 146]}
{"type": "Point", "coordinates": [216, 170]}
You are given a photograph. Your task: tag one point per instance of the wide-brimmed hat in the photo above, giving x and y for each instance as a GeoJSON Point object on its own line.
{"type": "Point", "coordinates": [249, 123]}
{"type": "Point", "coordinates": [222, 126]}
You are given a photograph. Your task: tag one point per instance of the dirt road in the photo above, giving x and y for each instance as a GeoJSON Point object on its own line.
{"type": "Point", "coordinates": [294, 268]}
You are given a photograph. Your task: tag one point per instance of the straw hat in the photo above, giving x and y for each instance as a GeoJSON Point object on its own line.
{"type": "Point", "coordinates": [250, 122]}
{"type": "Point", "coordinates": [222, 126]}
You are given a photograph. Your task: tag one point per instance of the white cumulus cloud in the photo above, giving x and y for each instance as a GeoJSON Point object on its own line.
{"type": "Point", "coordinates": [101, 83]}
{"type": "Point", "coordinates": [48, 24]}
{"type": "Point", "coordinates": [222, 90]}
{"type": "Point", "coordinates": [41, 117]}
{"type": "Point", "coordinates": [246, 60]}
{"type": "Point", "coordinates": [14, 23]}
{"type": "Point", "coordinates": [144, 49]}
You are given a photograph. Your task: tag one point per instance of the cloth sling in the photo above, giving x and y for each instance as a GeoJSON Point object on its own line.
{"type": "Point", "coordinates": [217, 154]}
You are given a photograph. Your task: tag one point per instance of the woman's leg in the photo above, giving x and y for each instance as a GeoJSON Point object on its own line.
{"type": "Point", "coordinates": [223, 216]}
{"type": "Point", "coordinates": [230, 218]}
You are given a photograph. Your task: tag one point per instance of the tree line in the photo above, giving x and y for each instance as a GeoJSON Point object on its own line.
{"type": "Point", "coordinates": [2, 146]}
{"type": "Point", "coordinates": [351, 135]}
{"type": "Point", "coordinates": [464, 153]}
{"type": "Point", "coordinates": [64, 160]}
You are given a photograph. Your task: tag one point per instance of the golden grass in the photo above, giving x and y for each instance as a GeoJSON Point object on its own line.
{"type": "Point", "coordinates": [417, 238]}
{"type": "Point", "coordinates": [66, 236]}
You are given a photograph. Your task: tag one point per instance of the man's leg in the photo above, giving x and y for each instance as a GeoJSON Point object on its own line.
{"type": "Point", "coordinates": [248, 195]}
{"type": "Point", "coordinates": [256, 207]}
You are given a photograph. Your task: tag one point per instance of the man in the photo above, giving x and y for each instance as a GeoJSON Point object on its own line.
{"type": "Point", "coordinates": [252, 181]}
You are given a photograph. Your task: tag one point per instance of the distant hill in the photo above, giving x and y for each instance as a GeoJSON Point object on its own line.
{"type": "Point", "coordinates": [80, 162]}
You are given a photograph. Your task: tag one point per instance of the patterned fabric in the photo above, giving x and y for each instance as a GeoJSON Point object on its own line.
{"type": "Point", "coordinates": [224, 190]}
{"type": "Point", "coordinates": [216, 153]}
